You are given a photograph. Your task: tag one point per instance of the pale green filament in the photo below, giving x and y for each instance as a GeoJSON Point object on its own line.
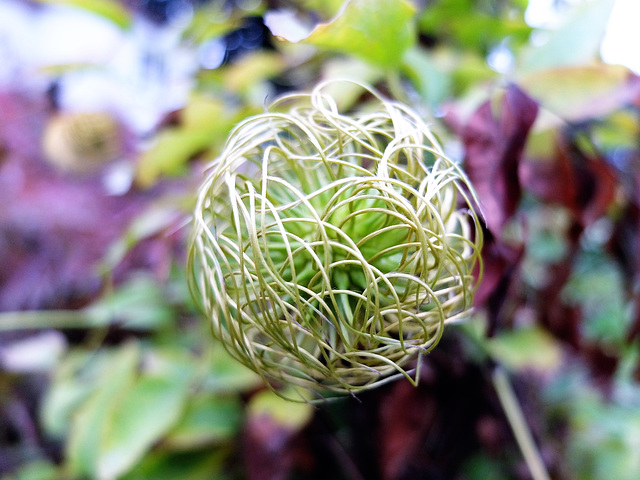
{"type": "Point", "coordinates": [329, 249]}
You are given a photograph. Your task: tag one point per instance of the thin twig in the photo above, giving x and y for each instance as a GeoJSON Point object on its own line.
{"type": "Point", "coordinates": [516, 419]}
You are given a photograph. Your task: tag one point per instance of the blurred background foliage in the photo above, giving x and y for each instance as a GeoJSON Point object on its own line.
{"type": "Point", "coordinates": [106, 370]}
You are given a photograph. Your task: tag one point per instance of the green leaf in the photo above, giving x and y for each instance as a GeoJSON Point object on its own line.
{"type": "Point", "coordinates": [577, 42]}
{"type": "Point", "coordinates": [127, 412]}
{"type": "Point", "coordinates": [61, 400]}
{"type": "Point", "coordinates": [470, 72]}
{"type": "Point", "coordinates": [205, 122]}
{"type": "Point", "coordinates": [620, 130]}
{"type": "Point", "coordinates": [111, 10]}
{"type": "Point", "coordinates": [183, 466]}
{"type": "Point", "coordinates": [378, 32]}
{"type": "Point", "coordinates": [482, 467]}
{"type": "Point", "coordinates": [526, 348]}
{"type": "Point", "coordinates": [74, 380]}
{"type": "Point", "coordinates": [140, 303]}
{"type": "Point", "coordinates": [474, 26]}
{"type": "Point", "coordinates": [143, 416]}
{"type": "Point", "coordinates": [207, 419]}
{"type": "Point", "coordinates": [211, 20]}
{"type": "Point", "coordinates": [328, 8]}
{"type": "Point", "coordinates": [92, 418]}
{"type": "Point", "coordinates": [605, 437]}
{"type": "Point", "coordinates": [346, 94]}
{"type": "Point", "coordinates": [579, 93]}
{"type": "Point", "coordinates": [548, 232]}
{"type": "Point", "coordinates": [170, 153]}
{"type": "Point", "coordinates": [251, 69]}
{"type": "Point", "coordinates": [597, 287]}
{"type": "Point", "coordinates": [227, 375]}
{"type": "Point", "coordinates": [290, 415]}
{"type": "Point", "coordinates": [201, 113]}
{"type": "Point", "coordinates": [431, 81]}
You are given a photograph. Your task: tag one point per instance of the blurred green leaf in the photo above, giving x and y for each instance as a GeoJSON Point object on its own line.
{"type": "Point", "coordinates": [227, 375]}
{"type": "Point", "coordinates": [128, 411]}
{"type": "Point", "coordinates": [577, 42]}
{"type": "Point", "coordinates": [378, 32]}
{"type": "Point", "coordinates": [92, 419]}
{"type": "Point", "coordinates": [328, 8]}
{"type": "Point", "coordinates": [145, 413]}
{"type": "Point", "coordinates": [605, 438]}
{"type": "Point", "coordinates": [210, 21]}
{"type": "Point", "coordinates": [292, 416]}
{"type": "Point", "coordinates": [61, 400]}
{"type": "Point", "coordinates": [483, 467]}
{"type": "Point", "coordinates": [111, 10]}
{"type": "Point", "coordinates": [251, 69]}
{"type": "Point", "coordinates": [346, 94]}
{"type": "Point", "coordinates": [199, 465]}
{"type": "Point", "coordinates": [75, 378]}
{"type": "Point", "coordinates": [471, 71]}
{"type": "Point", "coordinates": [620, 130]}
{"type": "Point", "coordinates": [579, 93]}
{"type": "Point", "coordinates": [140, 303]}
{"type": "Point", "coordinates": [170, 153]}
{"type": "Point", "coordinates": [207, 419]}
{"type": "Point", "coordinates": [548, 234]}
{"type": "Point", "coordinates": [204, 122]}
{"type": "Point", "coordinates": [542, 141]}
{"type": "Point", "coordinates": [603, 430]}
{"type": "Point", "coordinates": [475, 26]}
{"type": "Point", "coordinates": [597, 286]}
{"type": "Point", "coordinates": [431, 81]}
{"type": "Point", "coordinates": [530, 348]}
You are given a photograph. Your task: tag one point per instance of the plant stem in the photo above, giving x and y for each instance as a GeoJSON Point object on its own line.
{"type": "Point", "coordinates": [518, 424]}
{"type": "Point", "coordinates": [32, 320]}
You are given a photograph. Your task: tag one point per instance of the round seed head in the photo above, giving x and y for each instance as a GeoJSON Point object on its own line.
{"type": "Point", "coordinates": [329, 249]}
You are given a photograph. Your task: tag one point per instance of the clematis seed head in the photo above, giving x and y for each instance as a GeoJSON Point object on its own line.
{"type": "Point", "coordinates": [330, 249]}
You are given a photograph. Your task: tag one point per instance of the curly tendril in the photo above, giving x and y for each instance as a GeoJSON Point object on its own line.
{"type": "Point", "coordinates": [329, 249]}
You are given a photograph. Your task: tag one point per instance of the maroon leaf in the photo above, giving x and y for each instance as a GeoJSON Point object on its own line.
{"type": "Point", "coordinates": [602, 364]}
{"type": "Point", "coordinates": [634, 329]}
{"type": "Point", "coordinates": [269, 449]}
{"type": "Point", "coordinates": [494, 139]}
{"type": "Point", "coordinates": [586, 185]}
{"type": "Point", "coordinates": [551, 180]}
{"type": "Point", "coordinates": [501, 262]}
{"type": "Point", "coordinates": [273, 436]}
{"type": "Point", "coordinates": [405, 417]}
{"type": "Point", "coordinates": [428, 431]}
{"type": "Point", "coordinates": [563, 321]}
{"type": "Point", "coordinates": [623, 245]}
{"type": "Point", "coordinates": [583, 183]}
